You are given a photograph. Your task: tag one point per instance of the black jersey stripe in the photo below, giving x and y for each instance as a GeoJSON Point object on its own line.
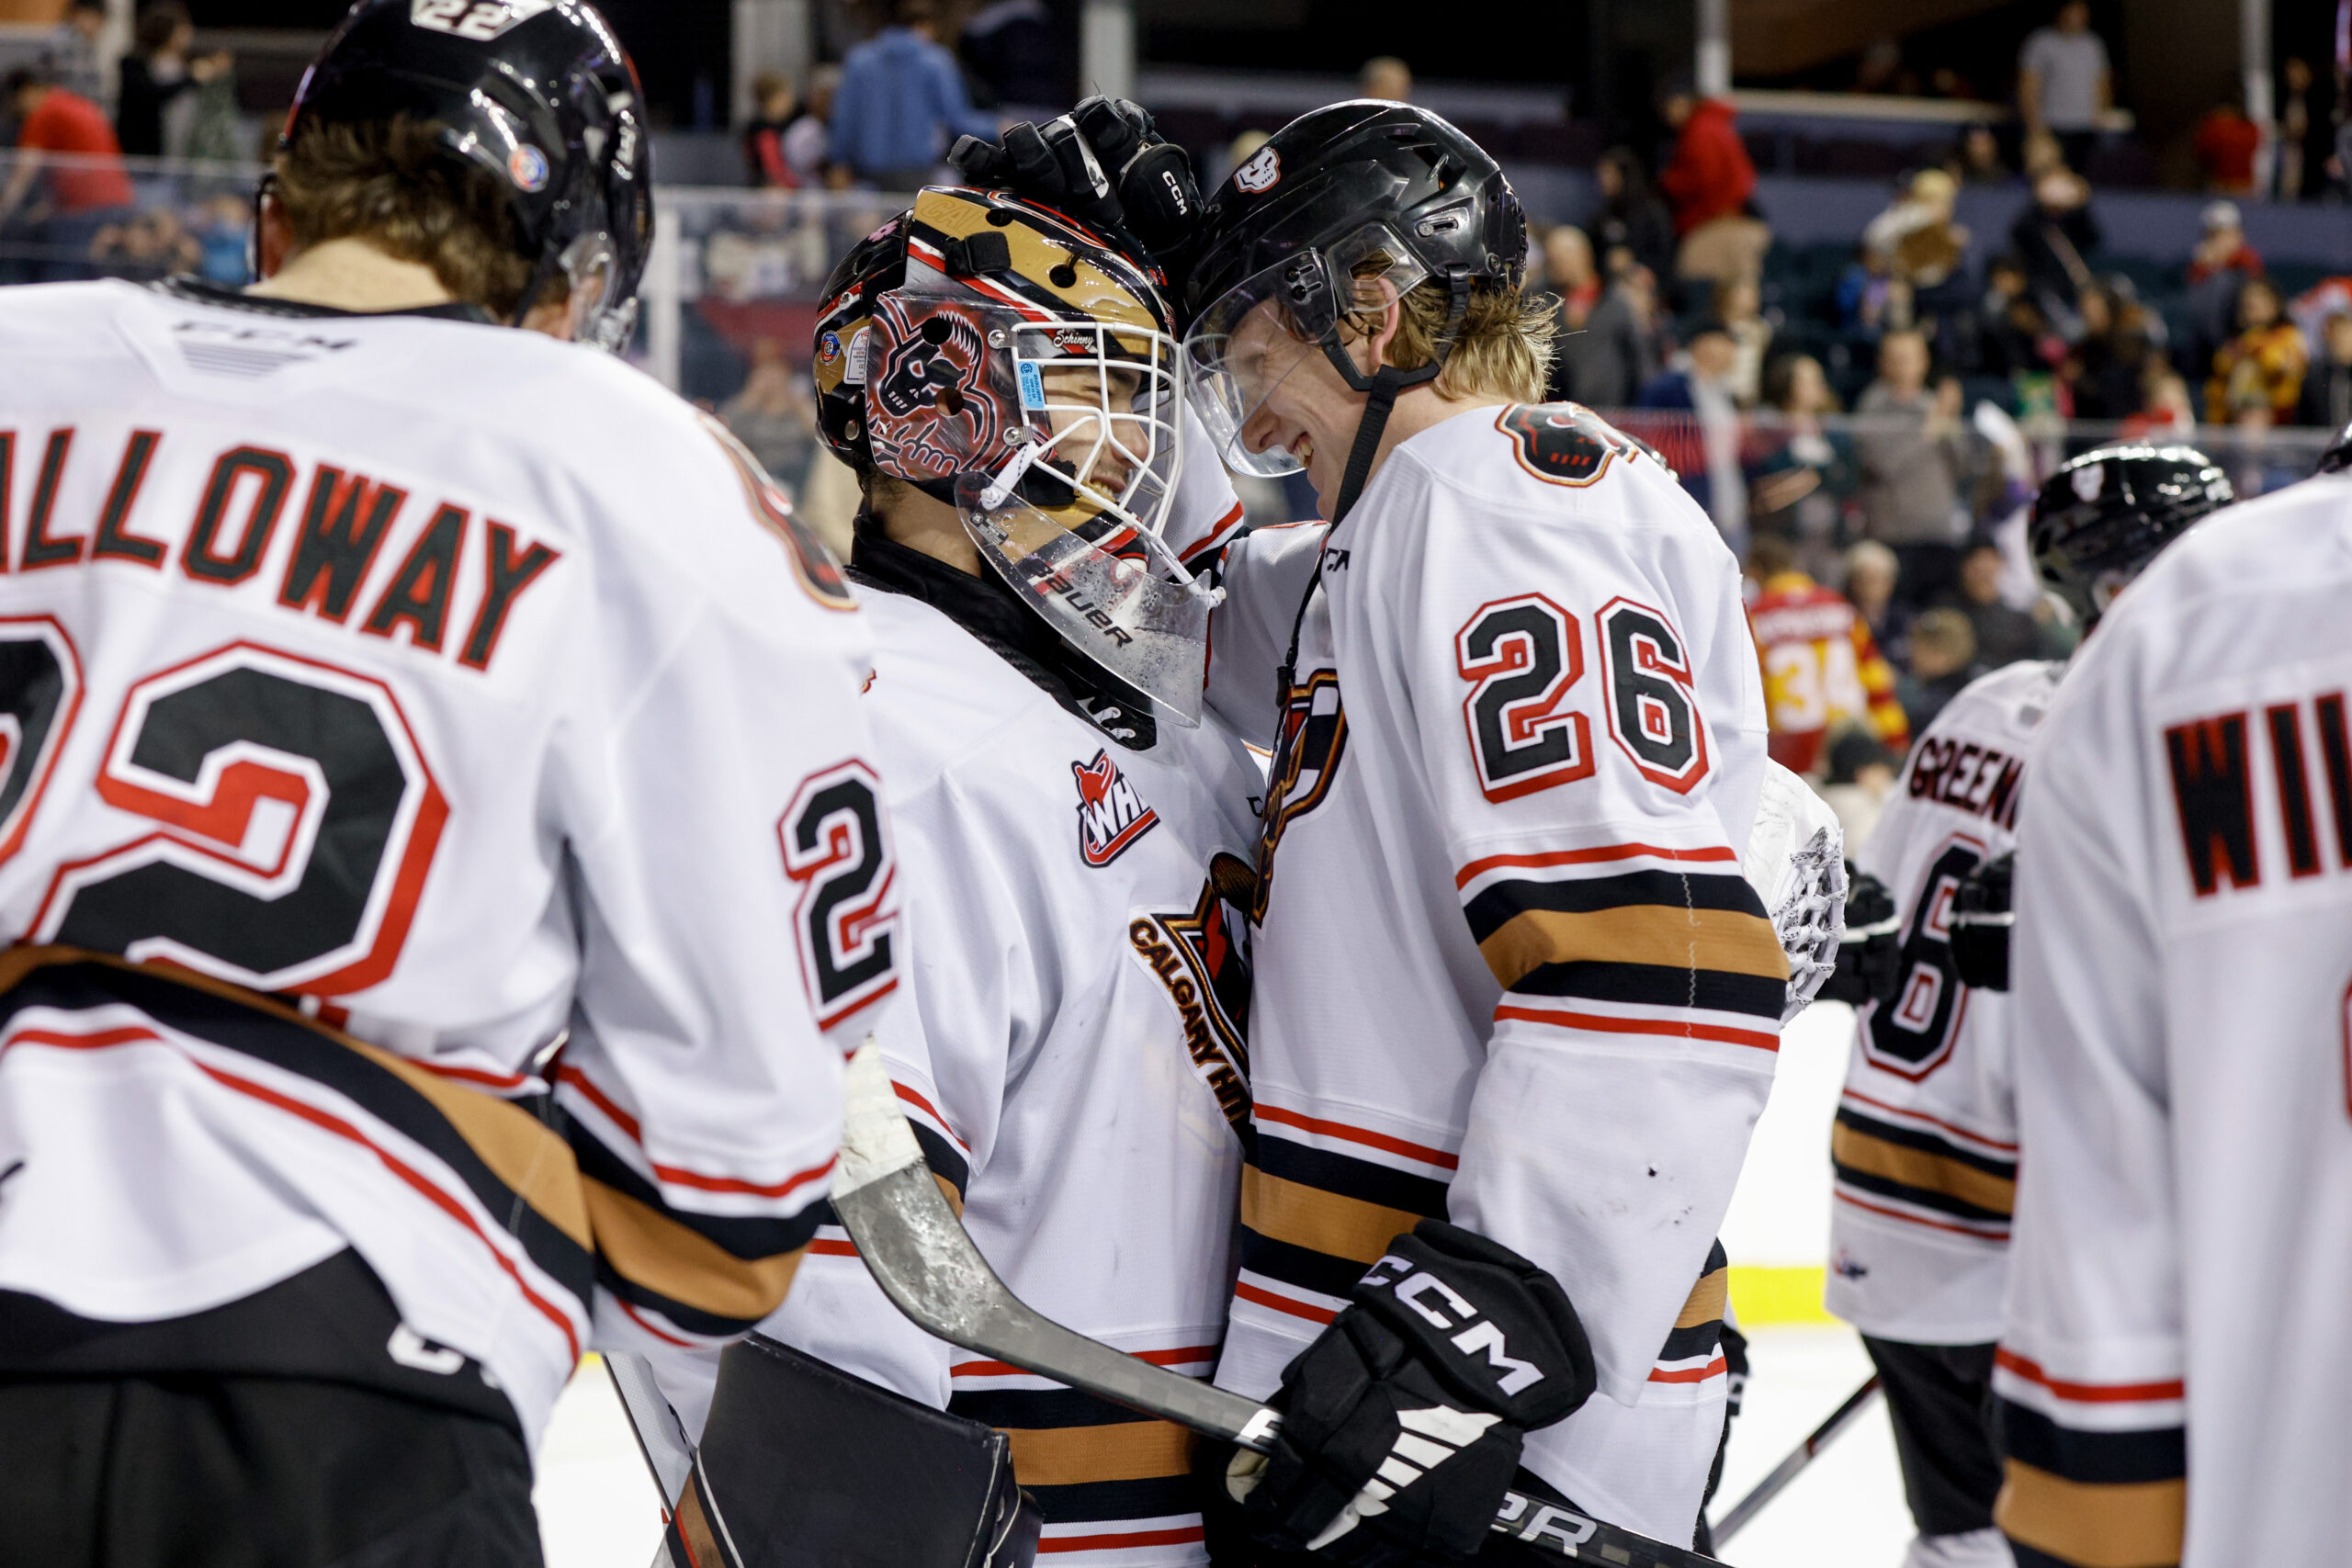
{"type": "Point", "coordinates": [1687, 1344]}
{"type": "Point", "coordinates": [1922, 1197]}
{"type": "Point", "coordinates": [1150, 1497]}
{"type": "Point", "coordinates": [2099, 1458]}
{"type": "Point", "coordinates": [1364, 1179]}
{"type": "Point", "coordinates": [1036, 1407]}
{"type": "Point", "coordinates": [1933, 1177]}
{"type": "Point", "coordinates": [1928, 1142]}
{"type": "Point", "coordinates": [1300, 1267]}
{"type": "Point", "coordinates": [1657, 985]}
{"type": "Point", "coordinates": [1494, 904]}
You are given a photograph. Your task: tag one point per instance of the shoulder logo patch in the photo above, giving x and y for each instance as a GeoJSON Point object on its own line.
{"type": "Point", "coordinates": [1562, 444]}
{"type": "Point", "coordinates": [1110, 815]}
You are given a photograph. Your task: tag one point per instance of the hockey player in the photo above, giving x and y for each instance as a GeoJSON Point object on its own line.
{"type": "Point", "coordinates": [1076, 840]}
{"type": "Point", "coordinates": [1925, 1144]}
{"type": "Point", "coordinates": [1516, 1006]}
{"type": "Point", "coordinates": [2171, 1381]}
{"type": "Point", "coordinates": [404, 715]}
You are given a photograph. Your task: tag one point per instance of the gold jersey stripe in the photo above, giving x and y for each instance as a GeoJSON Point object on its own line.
{"type": "Point", "coordinates": [1917, 1167]}
{"type": "Point", "coordinates": [652, 1249]}
{"type": "Point", "coordinates": [1707, 1301]}
{"type": "Point", "coordinates": [2136, 1524]}
{"type": "Point", "coordinates": [1321, 1221]}
{"type": "Point", "coordinates": [1724, 940]}
{"type": "Point", "coordinates": [1125, 1451]}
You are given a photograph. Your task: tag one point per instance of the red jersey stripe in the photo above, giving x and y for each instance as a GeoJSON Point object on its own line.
{"type": "Point", "coordinates": [1363, 1136]}
{"type": "Point", "coordinates": [1175, 1537]}
{"type": "Point", "coordinates": [1601, 1024]}
{"type": "Point", "coordinates": [1911, 1218]}
{"type": "Point", "coordinates": [2089, 1393]}
{"type": "Point", "coordinates": [1961, 1132]}
{"type": "Point", "coordinates": [1585, 857]}
{"type": "Point", "coordinates": [1184, 1356]}
{"type": "Point", "coordinates": [1688, 1374]}
{"type": "Point", "coordinates": [1249, 1292]}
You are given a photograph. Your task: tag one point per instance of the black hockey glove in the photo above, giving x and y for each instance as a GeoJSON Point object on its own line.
{"type": "Point", "coordinates": [1102, 163]}
{"type": "Point", "coordinates": [1401, 1423]}
{"type": "Point", "coordinates": [1981, 920]}
{"type": "Point", "coordinates": [1870, 955]}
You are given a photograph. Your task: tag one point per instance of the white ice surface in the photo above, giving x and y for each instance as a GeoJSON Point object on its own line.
{"type": "Point", "coordinates": [598, 1508]}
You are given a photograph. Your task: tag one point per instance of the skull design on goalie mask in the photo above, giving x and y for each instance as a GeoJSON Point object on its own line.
{"type": "Point", "coordinates": [932, 411]}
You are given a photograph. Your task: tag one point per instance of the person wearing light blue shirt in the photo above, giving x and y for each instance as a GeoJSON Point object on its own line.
{"type": "Point", "coordinates": [901, 101]}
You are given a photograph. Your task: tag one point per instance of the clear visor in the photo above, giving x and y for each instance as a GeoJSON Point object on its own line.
{"type": "Point", "coordinates": [603, 318]}
{"type": "Point", "coordinates": [1252, 338]}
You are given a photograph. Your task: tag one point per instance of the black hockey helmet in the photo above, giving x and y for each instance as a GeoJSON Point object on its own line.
{"type": "Point", "coordinates": [1302, 224]}
{"type": "Point", "coordinates": [537, 94]}
{"type": "Point", "coordinates": [2101, 517]}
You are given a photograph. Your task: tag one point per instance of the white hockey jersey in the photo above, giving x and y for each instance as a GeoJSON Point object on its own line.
{"type": "Point", "coordinates": [2183, 974]}
{"type": "Point", "coordinates": [1925, 1145]}
{"type": "Point", "coordinates": [1071, 1054]}
{"type": "Point", "coordinates": [468, 689]}
{"type": "Point", "coordinates": [1508, 970]}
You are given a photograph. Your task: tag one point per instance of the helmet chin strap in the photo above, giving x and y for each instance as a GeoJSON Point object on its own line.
{"type": "Point", "coordinates": [1384, 386]}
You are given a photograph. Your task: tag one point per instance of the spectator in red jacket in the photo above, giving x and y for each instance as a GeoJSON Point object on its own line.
{"type": "Point", "coordinates": [1710, 175]}
{"type": "Point", "coordinates": [2226, 144]}
{"type": "Point", "coordinates": [87, 187]}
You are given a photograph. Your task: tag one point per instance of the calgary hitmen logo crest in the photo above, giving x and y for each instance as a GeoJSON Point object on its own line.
{"type": "Point", "coordinates": [1202, 955]}
{"type": "Point", "coordinates": [1307, 757]}
{"type": "Point", "coordinates": [1111, 815]}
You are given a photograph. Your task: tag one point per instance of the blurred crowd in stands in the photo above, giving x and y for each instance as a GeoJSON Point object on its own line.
{"type": "Point", "coordinates": [1864, 420]}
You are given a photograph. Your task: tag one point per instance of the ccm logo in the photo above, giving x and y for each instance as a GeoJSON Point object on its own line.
{"type": "Point", "coordinates": [1414, 1287]}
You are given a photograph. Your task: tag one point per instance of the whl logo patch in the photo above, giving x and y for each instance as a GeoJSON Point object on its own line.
{"type": "Point", "coordinates": [1110, 815]}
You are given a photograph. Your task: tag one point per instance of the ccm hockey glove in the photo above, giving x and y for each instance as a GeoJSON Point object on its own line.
{"type": "Point", "coordinates": [1102, 163]}
{"type": "Point", "coordinates": [1402, 1421]}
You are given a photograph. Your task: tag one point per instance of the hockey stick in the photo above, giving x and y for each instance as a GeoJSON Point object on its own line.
{"type": "Point", "coordinates": [1804, 1453]}
{"type": "Point", "coordinates": [918, 1252]}
{"type": "Point", "coordinates": [693, 1535]}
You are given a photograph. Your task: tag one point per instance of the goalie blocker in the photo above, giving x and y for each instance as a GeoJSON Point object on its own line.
{"type": "Point", "coordinates": [807, 1462]}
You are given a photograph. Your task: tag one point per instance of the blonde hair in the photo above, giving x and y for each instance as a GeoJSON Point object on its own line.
{"type": "Point", "coordinates": [1502, 347]}
{"type": "Point", "coordinates": [391, 183]}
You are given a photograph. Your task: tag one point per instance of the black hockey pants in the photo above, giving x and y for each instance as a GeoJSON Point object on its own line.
{"type": "Point", "coordinates": [215, 1471]}
{"type": "Point", "coordinates": [1940, 1398]}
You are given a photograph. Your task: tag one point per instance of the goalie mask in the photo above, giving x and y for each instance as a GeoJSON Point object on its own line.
{"type": "Point", "coordinates": [1003, 359]}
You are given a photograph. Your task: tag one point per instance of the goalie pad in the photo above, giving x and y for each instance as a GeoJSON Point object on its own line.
{"type": "Point", "coordinates": [817, 1468]}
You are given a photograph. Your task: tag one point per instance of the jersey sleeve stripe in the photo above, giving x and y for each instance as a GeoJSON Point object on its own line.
{"type": "Point", "coordinates": [1497, 902]}
{"type": "Point", "coordinates": [1961, 1136]}
{"type": "Point", "coordinates": [648, 1256]}
{"type": "Point", "coordinates": [1263, 1297]}
{"type": "Point", "coordinates": [1332, 1170]}
{"type": "Point", "coordinates": [2010, 1361]}
{"type": "Point", "coordinates": [1118, 1540]}
{"type": "Point", "coordinates": [1673, 1029]}
{"type": "Point", "coordinates": [1478, 868]}
{"type": "Point", "coordinates": [1656, 985]}
{"type": "Point", "coordinates": [928, 1109]}
{"type": "Point", "coordinates": [2094, 1526]}
{"type": "Point", "coordinates": [1689, 1374]}
{"type": "Point", "coordinates": [1993, 1230]}
{"type": "Point", "coordinates": [1182, 1356]}
{"type": "Point", "coordinates": [1685, 939]}
{"type": "Point", "coordinates": [569, 1077]}
{"type": "Point", "coordinates": [1324, 1222]}
{"type": "Point", "coordinates": [1363, 1136]}
{"type": "Point", "coordinates": [1131, 1451]}
{"type": "Point", "coordinates": [1888, 1161]}
{"type": "Point", "coordinates": [1217, 537]}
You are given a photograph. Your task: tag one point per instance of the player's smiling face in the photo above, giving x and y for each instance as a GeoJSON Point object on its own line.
{"type": "Point", "coordinates": [1302, 405]}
